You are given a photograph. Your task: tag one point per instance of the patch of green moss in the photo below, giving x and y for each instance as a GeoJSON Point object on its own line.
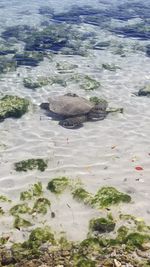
{"type": "Point", "coordinates": [33, 84]}
{"type": "Point", "coordinates": [96, 100]}
{"type": "Point", "coordinates": [4, 199]}
{"type": "Point", "coordinates": [4, 240]}
{"type": "Point", "coordinates": [137, 239]}
{"type": "Point", "coordinates": [31, 164]}
{"type": "Point", "coordinates": [1, 211]}
{"type": "Point", "coordinates": [107, 196]}
{"type": "Point", "coordinates": [21, 223]}
{"type": "Point", "coordinates": [122, 234]}
{"type": "Point", "coordinates": [35, 191]}
{"type": "Point", "coordinates": [19, 209]}
{"type": "Point", "coordinates": [89, 245]}
{"type": "Point", "coordinates": [58, 185]}
{"type": "Point", "coordinates": [41, 205]}
{"type": "Point", "coordinates": [38, 237]}
{"type": "Point", "coordinates": [82, 195]}
{"type": "Point", "coordinates": [64, 65]}
{"type": "Point", "coordinates": [102, 225]}
{"type": "Point", "coordinates": [90, 84]}
{"type": "Point", "coordinates": [13, 106]}
{"type": "Point", "coordinates": [19, 252]}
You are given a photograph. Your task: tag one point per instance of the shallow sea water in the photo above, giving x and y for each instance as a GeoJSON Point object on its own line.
{"type": "Point", "coordinates": [100, 153]}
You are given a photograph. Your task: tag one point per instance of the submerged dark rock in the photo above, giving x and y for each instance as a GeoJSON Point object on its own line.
{"type": "Point", "coordinates": [28, 58]}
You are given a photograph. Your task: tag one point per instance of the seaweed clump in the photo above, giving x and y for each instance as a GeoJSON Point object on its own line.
{"type": "Point", "coordinates": [90, 84]}
{"type": "Point", "coordinates": [12, 106]}
{"type": "Point", "coordinates": [58, 185]}
{"type": "Point", "coordinates": [107, 196]}
{"type": "Point", "coordinates": [19, 209]}
{"type": "Point", "coordinates": [41, 205]}
{"type": "Point", "coordinates": [35, 191]}
{"type": "Point", "coordinates": [31, 164]}
{"type": "Point", "coordinates": [21, 223]}
{"type": "Point", "coordinates": [102, 225]}
{"type": "Point", "coordinates": [82, 195]}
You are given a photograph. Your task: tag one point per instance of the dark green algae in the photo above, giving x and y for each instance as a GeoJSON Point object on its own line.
{"type": "Point", "coordinates": [31, 164]}
{"type": "Point", "coordinates": [105, 197]}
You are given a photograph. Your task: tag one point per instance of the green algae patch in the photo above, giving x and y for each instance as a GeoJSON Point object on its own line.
{"type": "Point", "coordinates": [4, 199]}
{"type": "Point", "coordinates": [102, 225]}
{"type": "Point", "coordinates": [41, 205]}
{"type": "Point", "coordinates": [89, 84]}
{"type": "Point", "coordinates": [21, 223]}
{"type": "Point", "coordinates": [13, 106]}
{"type": "Point", "coordinates": [58, 185]}
{"type": "Point", "coordinates": [33, 84]}
{"type": "Point", "coordinates": [96, 100]}
{"type": "Point", "coordinates": [107, 196]}
{"type": "Point", "coordinates": [19, 209]}
{"type": "Point", "coordinates": [1, 211]}
{"type": "Point", "coordinates": [82, 195]}
{"type": "Point", "coordinates": [40, 236]}
{"type": "Point", "coordinates": [36, 190]}
{"type": "Point", "coordinates": [137, 239]}
{"type": "Point", "coordinates": [65, 66]}
{"type": "Point", "coordinates": [31, 164]}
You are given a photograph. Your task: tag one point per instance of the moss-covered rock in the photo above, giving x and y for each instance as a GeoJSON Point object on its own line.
{"type": "Point", "coordinates": [41, 205]}
{"type": "Point", "coordinates": [102, 225]}
{"type": "Point", "coordinates": [96, 100]}
{"type": "Point", "coordinates": [4, 199]}
{"type": "Point", "coordinates": [145, 91]}
{"type": "Point", "coordinates": [31, 164]}
{"type": "Point", "coordinates": [36, 190]}
{"type": "Point", "coordinates": [89, 84]}
{"type": "Point", "coordinates": [107, 196]}
{"type": "Point", "coordinates": [21, 223]}
{"type": "Point", "coordinates": [65, 66]}
{"type": "Point", "coordinates": [2, 212]}
{"type": "Point", "coordinates": [20, 209]}
{"type": "Point", "coordinates": [58, 185]}
{"type": "Point", "coordinates": [12, 106]}
{"type": "Point", "coordinates": [40, 236]}
{"type": "Point", "coordinates": [33, 84]}
{"type": "Point", "coordinates": [136, 239]}
{"type": "Point", "coordinates": [82, 195]}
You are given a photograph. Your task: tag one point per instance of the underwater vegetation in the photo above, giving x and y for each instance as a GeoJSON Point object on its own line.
{"type": "Point", "coordinates": [35, 190]}
{"type": "Point", "coordinates": [124, 233]}
{"type": "Point", "coordinates": [31, 164]}
{"type": "Point", "coordinates": [58, 185]}
{"type": "Point", "coordinates": [12, 106]}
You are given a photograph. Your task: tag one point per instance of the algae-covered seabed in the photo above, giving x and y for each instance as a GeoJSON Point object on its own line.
{"type": "Point", "coordinates": [102, 153]}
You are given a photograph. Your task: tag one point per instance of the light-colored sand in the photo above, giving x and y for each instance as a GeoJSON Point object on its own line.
{"type": "Point", "coordinates": [101, 153]}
